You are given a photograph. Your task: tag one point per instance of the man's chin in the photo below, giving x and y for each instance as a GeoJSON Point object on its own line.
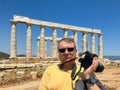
{"type": "Point", "coordinates": [67, 60]}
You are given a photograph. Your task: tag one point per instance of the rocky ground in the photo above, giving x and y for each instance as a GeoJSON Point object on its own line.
{"type": "Point", "coordinates": [110, 77]}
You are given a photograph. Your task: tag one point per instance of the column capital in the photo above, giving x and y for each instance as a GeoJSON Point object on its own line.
{"type": "Point", "coordinates": [28, 24]}
{"type": "Point", "coordinates": [13, 22]}
{"type": "Point", "coordinates": [53, 27]}
{"type": "Point", "coordinates": [42, 26]}
{"type": "Point", "coordinates": [84, 32]}
{"type": "Point", "coordinates": [99, 34]}
{"type": "Point", "coordinates": [64, 29]}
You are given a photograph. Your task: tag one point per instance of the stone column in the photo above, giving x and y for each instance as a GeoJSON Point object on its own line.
{"type": "Point", "coordinates": [45, 48]}
{"type": "Point", "coordinates": [92, 42]}
{"type": "Point", "coordinates": [42, 42]}
{"type": "Point", "coordinates": [76, 40]}
{"type": "Point", "coordinates": [29, 41]}
{"type": "Point", "coordinates": [84, 42]}
{"type": "Point", "coordinates": [38, 47]}
{"type": "Point", "coordinates": [57, 47]}
{"type": "Point", "coordinates": [100, 54]}
{"type": "Point", "coordinates": [65, 33]}
{"type": "Point", "coordinates": [54, 43]}
{"type": "Point", "coordinates": [51, 48]}
{"type": "Point", "coordinates": [13, 53]}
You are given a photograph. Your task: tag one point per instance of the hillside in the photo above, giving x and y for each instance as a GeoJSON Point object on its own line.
{"type": "Point", "coordinates": [4, 55]}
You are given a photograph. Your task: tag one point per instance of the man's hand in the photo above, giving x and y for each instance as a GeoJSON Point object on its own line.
{"type": "Point", "coordinates": [89, 71]}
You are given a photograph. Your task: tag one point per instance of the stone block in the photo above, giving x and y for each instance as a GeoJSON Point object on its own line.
{"type": "Point", "coordinates": [33, 75]}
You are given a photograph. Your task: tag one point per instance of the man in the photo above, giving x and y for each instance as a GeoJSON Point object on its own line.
{"type": "Point", "coordinates": [58, 77]}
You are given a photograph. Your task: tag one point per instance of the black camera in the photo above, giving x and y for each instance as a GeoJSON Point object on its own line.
{"type": "Point", "coordinates": [87, 61]}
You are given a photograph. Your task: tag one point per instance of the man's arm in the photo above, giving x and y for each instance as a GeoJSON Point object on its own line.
{"type": "Point", "coordinates": [88, 73]}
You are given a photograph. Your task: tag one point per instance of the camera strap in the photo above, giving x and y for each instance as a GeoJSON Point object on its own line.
{"type": "Point", "coordinates": [62, 64]}
{"type": "Point", "coordinates": [79, 84]}
{"type": "Point", "coordinates": [74, 73]}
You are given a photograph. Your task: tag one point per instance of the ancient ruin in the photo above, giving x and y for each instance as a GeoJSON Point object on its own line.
{"type": "Point", "coordinates": [41, 40]}
{"type": "Point", "coordinates": [17, 73]}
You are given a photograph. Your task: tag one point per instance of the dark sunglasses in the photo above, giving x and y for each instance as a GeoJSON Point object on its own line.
{"type": "Point", "coordinates": [62, 50]}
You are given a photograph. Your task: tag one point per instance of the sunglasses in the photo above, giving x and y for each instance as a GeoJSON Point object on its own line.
{"type": "Point", "coordinates": [62, 50]}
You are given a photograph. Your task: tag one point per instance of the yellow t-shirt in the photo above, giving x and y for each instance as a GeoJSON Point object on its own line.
{"type": "Point", "coordinates": [56, 79]}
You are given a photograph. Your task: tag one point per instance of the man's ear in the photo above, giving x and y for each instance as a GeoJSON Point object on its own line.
{"type": "Point", "coordinates": [76, 50]}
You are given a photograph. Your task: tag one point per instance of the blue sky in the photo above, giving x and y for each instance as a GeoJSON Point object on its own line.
{"type": "Point", "coordinates": [97, 14]}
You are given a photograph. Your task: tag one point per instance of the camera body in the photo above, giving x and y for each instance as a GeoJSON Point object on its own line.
{"type": "Point", "coordinates": [87, 61]}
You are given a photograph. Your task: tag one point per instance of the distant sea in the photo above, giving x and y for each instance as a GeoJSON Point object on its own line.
{"type": "Point", "coordinates": [112, 57]}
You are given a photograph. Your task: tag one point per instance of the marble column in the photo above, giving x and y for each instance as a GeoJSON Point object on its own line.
{"type": "Point", "coordinates": [84, 42]}
{"type": "Point", "coordinates": [100, 51]}
{"type": "Point", "coordinates": [42, 42]}
{"type": "Point", "coordinates": [92, 43]}
{"type": "Point", "coordinates": [54, 43]}
{"type": "Point", "coordinates": [13, 53]}
{"type": "Point", "coordinates": [45, 48]}
{"type": "Point", "coordinates": [76, 40]}
{"type": "Point", "coordinates": [38, 48]}
{"type": "Point", "coordinates": [29, 41]}
{"type": "Point", "coordinates": [65, 33]}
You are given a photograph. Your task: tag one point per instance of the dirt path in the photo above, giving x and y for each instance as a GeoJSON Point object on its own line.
{"type": "Point", "coordinates": [32, 85]}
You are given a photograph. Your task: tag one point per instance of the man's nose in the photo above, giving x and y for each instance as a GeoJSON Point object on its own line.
{"type": "Point", "coordinates": [66, 51]}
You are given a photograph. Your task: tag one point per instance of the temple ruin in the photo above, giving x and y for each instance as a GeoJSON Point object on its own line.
{"type": "Point", "coordinates": [41, 40]}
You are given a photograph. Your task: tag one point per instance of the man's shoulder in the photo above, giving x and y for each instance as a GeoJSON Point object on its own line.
{"type": "Point", "coordinates": [53, 66]}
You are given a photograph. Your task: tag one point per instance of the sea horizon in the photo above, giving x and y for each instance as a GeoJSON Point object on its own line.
{"type": "Point", "coordinates": [112, 57]}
